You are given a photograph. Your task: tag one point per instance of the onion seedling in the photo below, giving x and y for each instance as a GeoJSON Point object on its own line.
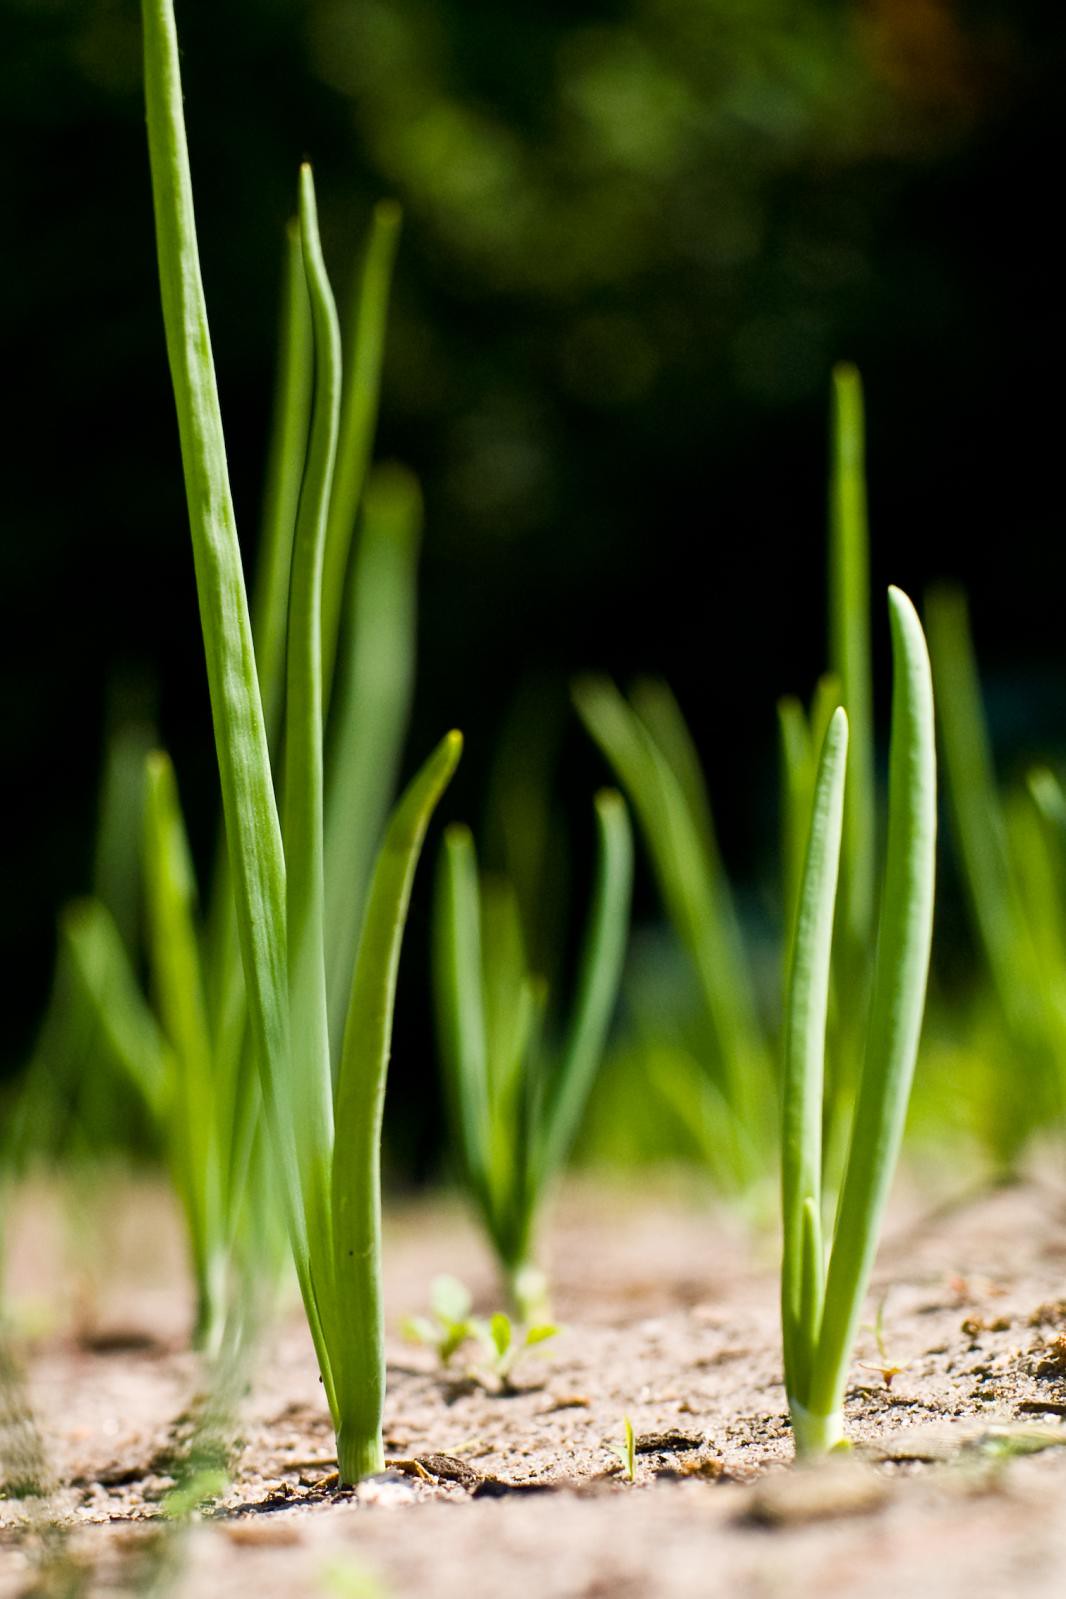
{"type": "Point", "coordinates": [822, 1290]}
{"type": "Point", "coordinates": [647, 743]}
{"type": "Point", "coordinates": [323, 1114]}
{"type": "Point", "coordinates": [187, 1054]}
{"type": "Point", "coordinates": [516, 1095]}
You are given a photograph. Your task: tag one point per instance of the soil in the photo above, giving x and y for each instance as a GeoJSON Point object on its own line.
{"type": "Point", "coordinates": [957, 1484]}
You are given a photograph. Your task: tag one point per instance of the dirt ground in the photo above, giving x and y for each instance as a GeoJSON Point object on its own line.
{"type": "Point", "coordinates": [957, 1485]}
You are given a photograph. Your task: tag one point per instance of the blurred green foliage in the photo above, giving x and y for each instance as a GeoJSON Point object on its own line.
{"type": "Point", "coordinates": [639, 232]}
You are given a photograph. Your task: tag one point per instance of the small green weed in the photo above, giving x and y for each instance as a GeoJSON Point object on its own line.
{"type": "Point", "coordinates": [451, 1326]}
{"type": "Point", "coordinates": [626, 1451]}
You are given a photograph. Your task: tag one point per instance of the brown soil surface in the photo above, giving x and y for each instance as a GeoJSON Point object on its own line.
{"type": "Point", "coordinates": [957, 1486]}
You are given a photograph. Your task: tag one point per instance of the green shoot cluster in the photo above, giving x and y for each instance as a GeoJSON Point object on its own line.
{"type": "Point", "coordinates": [822, 1288]}
{"type": "Point", "coordinates": [517, 1088]}
{"type": "Point", "coordinates": [653, 755]}
{"type": "Point", "coordinates": [186, 1050]}
{"type": "Point", "coordinates": [323, 1105]}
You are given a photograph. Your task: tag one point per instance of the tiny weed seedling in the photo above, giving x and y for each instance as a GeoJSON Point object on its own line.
{"type": "Point", "coordinates": [451, 1326]}
{"type": "Point", "coordinates": [885, 1366]}
{"type": "Point", "coordinates": [322, 1109]}
{"type": "Point", "coordinates": [626, 1451]}
{"type": "Point", "coordinates": [822, 1291]}
{"type": "Point", "coordinates": [517, 1101]}
{"type": "Point", "coordinates": [508, 1343]}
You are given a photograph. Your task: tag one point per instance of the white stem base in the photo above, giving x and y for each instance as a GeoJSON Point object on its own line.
{"type": "Point", "coordinates": [359, 1455]}
{"type": "Point", "coordinates": [816, 1435]}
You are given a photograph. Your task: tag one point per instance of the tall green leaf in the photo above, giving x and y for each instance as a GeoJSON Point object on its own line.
{"type": "Point", "coordinates": [356, 1185]}
{"type": "Point", "coordinates": [804, 1056]}
{"type": "Point", "coordinates": [304, 786]}
{"type": "Point", "coordinates": [253, 832]}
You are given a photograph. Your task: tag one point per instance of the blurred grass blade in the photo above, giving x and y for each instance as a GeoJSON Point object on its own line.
{"type": "Point", "coordinates": [372, 702]}
{"type": "Point", "coordinates": [127, 1029]}
{"type": "Point", "coordinates": [460, 1004]}
{"type": "Point", "coordinates": [505, 981]}
{"type": "Point", "coordinates": [849, 660]}
{"type": "Point", "coordinates": [1050, 800]}
{"type": "Point", "coordinates": [655, 705]}
{"type": "Point", "coordinates": [804, 1056]}
{"type": "Point", "coordinates": [979, 823]}
{"type": "Point", "coordinates": [697, 898]}
{"type": "Point", "coordinates": [356, 1184]}
{"type": "Point", "coordinates": [599, 976]}
{"type": "Point", "coordinates": [1034, 818]}
{"type": "Point", "coordinates": [523, 826]}
{"type": "Point", "coordinates": [178, 981]}
{"type": "Point", "coordinates": [363, 361]}
{"type": "Point", "coordinates": [116, 853]}
{"type": "Point", "coordinates": [515, 1002]}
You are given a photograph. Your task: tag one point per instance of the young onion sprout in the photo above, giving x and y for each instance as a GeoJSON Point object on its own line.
{"type": "Point", "coordinates": [822, 1289]}
{"type": "Point", "coordinates": [323, 1106]}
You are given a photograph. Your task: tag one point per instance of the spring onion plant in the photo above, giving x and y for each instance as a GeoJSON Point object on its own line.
{"type": "Point", "coordinates": [651, 751]}
{"type": "Point", "coordinates": [518, 1083]}
{"type": "Point", "coordinates": [822, 1288]}
{"type": "Point", "coordinates": [185, 1051]}
{"type": "Point", "coordinates": [322, 1109]}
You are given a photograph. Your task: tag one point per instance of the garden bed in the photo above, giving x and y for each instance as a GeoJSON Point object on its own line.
{"type": "Point", "coordinates": [670, 1318]}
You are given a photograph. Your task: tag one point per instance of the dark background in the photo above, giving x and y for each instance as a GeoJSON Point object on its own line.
{"type": "Point", "coordinates": [637, 235]}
